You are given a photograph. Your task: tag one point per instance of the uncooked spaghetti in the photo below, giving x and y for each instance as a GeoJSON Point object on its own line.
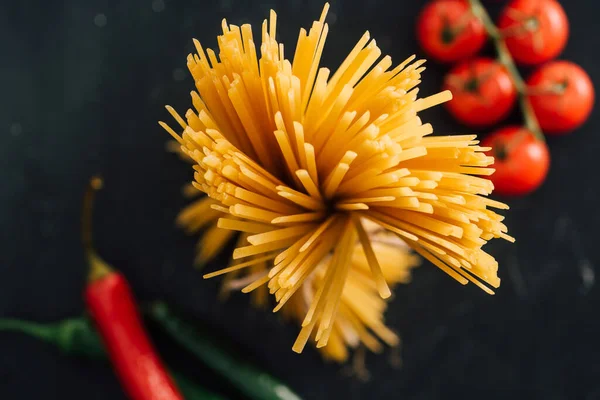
{"type": "Point", "coordinates": [360, 316]}
{"type": "Point", "coordinates": [296, 158]}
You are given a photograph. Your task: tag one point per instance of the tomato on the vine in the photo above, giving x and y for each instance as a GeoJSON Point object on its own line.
{"type": "Point", "coordinates": [448, 31]}
{"type": "Point", "coordinates": [521, 160]}
{"type": "Point", "coordinates": [562, 96]}
{"type": "Point", "coordinates": [483, 92]}
{"type": "Point", "coordinates": [535, 31]}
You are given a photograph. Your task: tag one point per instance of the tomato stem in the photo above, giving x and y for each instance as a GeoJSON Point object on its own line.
{"type": "Point", "coordinates": [447, 34]}
{"type": "Point", "coordinates": [557, 89]}
{"type": "Point", "coordinates": [527, 25]}
{"type": "Point", "coordinates": [505, 59]}
{"type": "Point", "coordinates": [500, 151]}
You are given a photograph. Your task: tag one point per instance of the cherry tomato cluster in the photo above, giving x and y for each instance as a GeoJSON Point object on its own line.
{"type": "Point", "coordinates": [557, 97]}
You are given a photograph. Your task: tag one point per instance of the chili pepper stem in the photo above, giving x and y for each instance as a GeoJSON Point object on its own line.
{"type": "Point", "coordinates": [505, 59]}
{"type": "Point", "coordinates": [42, 332]}
{"type": "Point", "coordinates": [98, 268]}
{"type": "Point", "coordinates": [113, 308]}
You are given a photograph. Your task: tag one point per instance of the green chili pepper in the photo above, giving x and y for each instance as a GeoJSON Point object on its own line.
{"type": "Point", "coordinates": [252, 382]}
{"type": "Point", "coordinates": [76, 336]}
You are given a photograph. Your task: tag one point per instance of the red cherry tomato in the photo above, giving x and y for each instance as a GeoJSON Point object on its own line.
{"type": "Point", "coordinates": [447, 31]}
{"type": "Point", "coordinates": [535, 30]}
{"type": "Point", "coordinates": [482, 91]}
{"type": "Point", "coordinates": [562, 96]}
{"type": "Point", "coordinates": [521, 160]}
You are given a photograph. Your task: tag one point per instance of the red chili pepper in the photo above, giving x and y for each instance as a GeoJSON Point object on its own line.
{"type": "Point", "coordinates": [111, 304]}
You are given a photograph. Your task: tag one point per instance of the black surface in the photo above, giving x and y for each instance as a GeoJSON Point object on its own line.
{"type": "Point", "coordinates": [78, 99]}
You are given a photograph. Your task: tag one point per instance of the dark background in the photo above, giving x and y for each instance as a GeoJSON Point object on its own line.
{"type": "Point", "coordinates": [81, 94]}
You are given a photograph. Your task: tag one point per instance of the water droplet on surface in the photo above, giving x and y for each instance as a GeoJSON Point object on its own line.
{"type": "Point", "coordinates": [16, 129]}
{"type": "Point", "coordinates": [178, 74]}
{"type": "Point", "coordinates": [158, 5]}
{"type": "Point", "coordinates": [331, 18]}
{"type": "Point", "coordinates": [100, 20]}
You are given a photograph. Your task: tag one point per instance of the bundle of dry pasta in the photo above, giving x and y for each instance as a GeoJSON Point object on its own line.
{"type": "Point", "coordinates": [360, 319]}
{"type": "Point", "coordinates": [297, 158]}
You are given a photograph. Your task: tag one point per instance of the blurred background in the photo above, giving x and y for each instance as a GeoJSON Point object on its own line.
{"type": "Point", "coordinates": [84, 84]}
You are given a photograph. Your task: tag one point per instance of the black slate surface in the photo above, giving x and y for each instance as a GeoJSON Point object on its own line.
{"type": "Point", "coordinates": [83, 84]}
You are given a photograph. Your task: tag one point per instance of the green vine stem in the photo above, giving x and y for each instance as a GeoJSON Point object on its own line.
{"type": "Point", "coordinates": [506, 60]}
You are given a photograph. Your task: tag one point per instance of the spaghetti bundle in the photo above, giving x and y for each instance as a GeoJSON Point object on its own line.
{"type": "Point", "coordinates": [297, 158]}
{"type": "Point", "coordinates": [359, 319]}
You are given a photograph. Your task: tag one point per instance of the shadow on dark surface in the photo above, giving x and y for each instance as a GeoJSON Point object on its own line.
{"type": "Point", "coordinates": [84, 84]}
